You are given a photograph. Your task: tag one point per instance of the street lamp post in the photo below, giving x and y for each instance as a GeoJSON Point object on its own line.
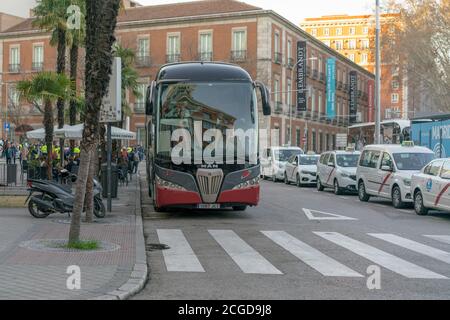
{"type": "Point", "coordinates": [378, 76]}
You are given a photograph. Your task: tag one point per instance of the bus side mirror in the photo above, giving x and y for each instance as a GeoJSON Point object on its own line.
{"type": "Point", "coordinates": [149, 99]}
{"type": "Point", "coordinates": [265, 97]}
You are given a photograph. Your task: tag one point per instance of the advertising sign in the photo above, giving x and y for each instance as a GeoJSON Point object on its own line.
{"type": "Point", "coordinates": [301, 76]}
{"type": "Point", "coordinates": [111, 110]}
{"type": "Point", "coordinates": [331, 88]}
{"type": "Point", "coordinates": [353, 92]}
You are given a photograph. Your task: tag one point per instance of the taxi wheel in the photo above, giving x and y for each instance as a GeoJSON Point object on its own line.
{"type": "Point", "coordinates": [286, 180]}
{"type": "Point", "coordinates": [419, 207]}
{"type": "Point", "coordinates": [319, 185]}
{"type": "Point", "coordinates": [298, 182]}
{"type": "Point", "coordinates": [397, 198]}
{"type": "Point", "coordinates": [337, 189]}
{"type": "Point", "coordinates": [239, 208]}
{"type": "Point", "coordinates": [363, 196]}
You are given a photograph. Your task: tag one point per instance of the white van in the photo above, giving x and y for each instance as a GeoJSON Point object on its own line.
{"type": "Point", "coordinates": [337, 170]}
{"type": "Point", "coordinates": [386, 171]}
{"type": "Point", "coordinates": [274, 162]}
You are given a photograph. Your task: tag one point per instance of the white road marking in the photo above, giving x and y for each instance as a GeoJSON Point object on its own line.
{"type": "Point", "coordinates": [315, 259]}
{"type": "Point", "coordinates": [330, 216]}
{"type": "Point", "coordinates": [380, 257]}
{"type": "Point", "coordinates": [247, 258]}
{"type": "Point", "coordinates": [414, 246]}
{"type": "Point", "coordinates": [444, 239]}
{"type": "Point", "coordinates": [180, 257]}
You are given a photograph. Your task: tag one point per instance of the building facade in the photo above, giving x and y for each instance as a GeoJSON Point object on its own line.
{"type": "Point", "coordinates": [354, 37]}
{"type": "Point", "coordinates": [261, 41]}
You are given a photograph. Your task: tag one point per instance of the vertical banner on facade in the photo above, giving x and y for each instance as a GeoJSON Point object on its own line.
{"type": "Point", "coordinates": [353, 92]}
{"type": "Point", "coordinates": [331, 88]}
{"type": "Point", "coordinates": [371, 99]}
{"type": "Point", "coordinates": [301, 76]}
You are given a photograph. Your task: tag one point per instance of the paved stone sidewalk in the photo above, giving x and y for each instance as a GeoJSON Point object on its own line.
{"type": "Point", "coordinates": [34, 274]}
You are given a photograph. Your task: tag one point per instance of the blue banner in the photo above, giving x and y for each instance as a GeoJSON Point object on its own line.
{"type": "Point", "coordinates": [331, 88]}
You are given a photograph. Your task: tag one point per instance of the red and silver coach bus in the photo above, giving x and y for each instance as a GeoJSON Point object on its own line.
{"type": "Point", "coordinates": [202, 136]}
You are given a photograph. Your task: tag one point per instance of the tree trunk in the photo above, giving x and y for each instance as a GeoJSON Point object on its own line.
{"type": "Point", "coordinates": [48, 125]}
{"type": "Point", "coordinates": [60, 68]}
{"type": "Point", "coordinates": [73, 79]}
{"type": "Point", "coordinates": [101, 20]}
{"type": "Point", "coordinates": [89, 197]}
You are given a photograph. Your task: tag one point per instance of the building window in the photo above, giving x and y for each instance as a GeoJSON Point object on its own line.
{"type": "Point", "coordinates": [38, 58]}
{"type": "Point", "coordinates": [14, 59]}
{"type": "Point", "coordinates": [364, 58]}
{"type": "Point", "coordinates": [327, 42]}
{"type": "Point", "coordinates": [365, 44]}
{"type": "Point", "coordinates": [338, 31]}
{"type": "Point", "coordinates": [289, 93]}
{"type": "Point", "coordinates": [395, 84]}
{"type": "Point", "coordinates": [313, 101]}
{"type": "Point", "coordinates": [239, 51]}
{"type": "Point", "coordinates": [314, 142]}
{"type": "Point", "coordinates": [173, 48]}
{"type": "Point", "coordinates": [320, 65]}
{"type": "Point", "coordinates": [351, 56]}
{"type": "Point", "coordinates": [139, 104]}
{"type": "Point", "coordinates": [143, 52]}
{"type": "Point", "coordinates": [314, 32]}
{"type": "Point", "coordinates": [366, 30]}
{"type": "Point", "coordinates": [352, 31]}
{"type": "Point", "coordinates": [140, 136]}
{"type": "Point", "coordinates": [276, 94]}
{"type": "Point", "coordinates": [320, 103]}
{"type": "Point", "coordinates": [352, 44]}
{"type": "Point", "coordinates": [14, 97]}
{"type": "Point", "coordinates": [278, 57]}
{"type": "Point", "coordinates": [297, 137]}
{"type": "Point", "coordinates": [394, 98]}
{"type": "Point", "coordinates": [326, 31]}
{"type": "Point", "coordinates": [338, 44]}
{"type": "Point", "coordinates": [206, 47]}
{"type": "Point", "coordinates": [395, 70]}
{"type": "Point", "coordinates": [290, 61]}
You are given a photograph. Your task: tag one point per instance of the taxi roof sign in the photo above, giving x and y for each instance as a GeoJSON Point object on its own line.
{"type": "Point", "coordinates": [408, 144]}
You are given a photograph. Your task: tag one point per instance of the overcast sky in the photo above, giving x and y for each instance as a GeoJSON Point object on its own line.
{"type": "Point", "coordinates": [294, 10]}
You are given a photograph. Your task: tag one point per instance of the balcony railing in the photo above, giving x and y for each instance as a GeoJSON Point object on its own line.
{"type": "Point", "coordinates": [238, 55]}
{"type": "Point", "coordinates": [290, 64]}
{"type": "Point", "coordinates": [14, 67]}
{"type": "Point", "coordinates": [315, 74]}
{"type": "Point", "coordinates": [143, 61]}
{"type": "Point", "coordinates": [322, 77]}
{"type": "Point", "coordinates": [173, 58]}
{"type": "Point", "coordinates": [37, 66]}
{"type": "Point", "coordinates": [139, 107]}
{"type": "Point", "coordinates": [278, 58]}
{"type": "Point", "coordinates": [205, 56]}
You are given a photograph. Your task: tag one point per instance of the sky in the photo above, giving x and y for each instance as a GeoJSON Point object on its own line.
{"type": "Point", "coordinates": [294, 10]}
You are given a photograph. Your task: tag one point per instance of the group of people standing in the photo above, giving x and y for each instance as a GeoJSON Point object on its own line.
{"type": "Point", "coordinates": [12, 151]}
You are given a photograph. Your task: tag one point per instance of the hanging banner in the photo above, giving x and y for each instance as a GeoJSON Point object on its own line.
{"type": "Point", "coordinates": [353, 92]}
{"type": "Point", "coordinates": [301, 76]}
{"type": "Point", "coordinates": [371, 99]}
{"type": "Point", "coordinates": [331, 88]}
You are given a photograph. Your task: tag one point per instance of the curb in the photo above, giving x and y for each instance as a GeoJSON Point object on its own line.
{"type": "Point", "coordinates": [138, 276]}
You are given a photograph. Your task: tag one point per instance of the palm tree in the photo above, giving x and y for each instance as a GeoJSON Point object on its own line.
{"type": "Point", "coordinates": [47, 87]}
{"type": "Point", "coordinates": [101, 20]}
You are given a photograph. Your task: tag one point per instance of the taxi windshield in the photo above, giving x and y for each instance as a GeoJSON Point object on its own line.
{"type": "Point", "coordinates": [347, 160]}
{"type": "Point", "coordinates": [308, 160]}
{"type": "Point", "coordinates": [284, 154]}
{"type": "Point", "coordinates": [412, 161]}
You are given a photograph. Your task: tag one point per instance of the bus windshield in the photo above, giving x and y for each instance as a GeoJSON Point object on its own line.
{"type": "Point", "coordinates": [206, 105]}
{"type": "Point", "coordinates": [347, 160]}
{"type": "Point", "coordinates": [412, 161]}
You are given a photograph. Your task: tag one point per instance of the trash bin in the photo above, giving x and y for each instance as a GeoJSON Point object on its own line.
{"type": "Point", "coordinates": [114, 180]}
{"type": "Point", "coordinates": [11, 174]}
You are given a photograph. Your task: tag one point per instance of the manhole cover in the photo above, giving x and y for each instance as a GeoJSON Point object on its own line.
{"type": "Point", "coordinates": [57, 245]}
{"type": "Point", "coordinates": [156, 246]}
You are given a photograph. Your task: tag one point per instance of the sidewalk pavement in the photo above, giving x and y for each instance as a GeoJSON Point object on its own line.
{"type": "Point", "coordinates": [30, 272]}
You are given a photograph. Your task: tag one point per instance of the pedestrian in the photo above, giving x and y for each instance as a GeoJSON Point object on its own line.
{"type": "Point", "coordinates": [9, 153]}
{"type": "Point", "coordinates": [135, 160]}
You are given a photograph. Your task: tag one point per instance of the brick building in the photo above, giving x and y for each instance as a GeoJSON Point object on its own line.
{"type": "Point", "coordinates": [354, 37]}
{"type": "Point", "coordinates": [261, 41]}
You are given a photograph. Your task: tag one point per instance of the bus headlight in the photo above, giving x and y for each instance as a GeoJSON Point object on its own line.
{"type": "Point", "coordinates": [247, 184]}
{"type": "Point", "coordinates": [168, 185]}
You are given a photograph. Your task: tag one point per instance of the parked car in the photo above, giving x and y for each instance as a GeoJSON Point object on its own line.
{"type": "Point", "coordinates": [431, 187]}
{"type": "Point", "coordinates": [301, 169]}
{"type": "Point", "coordinates": [386, 171]}
{"type": "Point", "coordinates": [337, 170]}
{"type": "Point", "coordinates": [274, 162]}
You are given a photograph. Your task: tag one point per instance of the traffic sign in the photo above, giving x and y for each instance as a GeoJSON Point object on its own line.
{"type": "Point", "coordinates": [7, 126]}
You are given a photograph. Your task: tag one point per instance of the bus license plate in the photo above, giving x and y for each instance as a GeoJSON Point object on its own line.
{"type": "Point", "coordinates": [208, 206]}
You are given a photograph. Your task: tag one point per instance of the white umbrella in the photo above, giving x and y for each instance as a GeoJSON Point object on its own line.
{"type": "Point", "coordinates": [38, 133]}
{"type": "Point", "coordinates": [76, 133]}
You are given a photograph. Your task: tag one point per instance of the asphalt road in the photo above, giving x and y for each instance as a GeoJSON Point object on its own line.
{"type": "Point", "coordinates": [278, 250]}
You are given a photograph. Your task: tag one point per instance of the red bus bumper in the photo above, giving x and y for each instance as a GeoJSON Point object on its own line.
{"type": "Point", "coordinates": [167, 197]}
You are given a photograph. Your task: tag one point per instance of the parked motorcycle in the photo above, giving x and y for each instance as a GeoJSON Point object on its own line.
{"type": "Point", "coordinates": [52, 197]}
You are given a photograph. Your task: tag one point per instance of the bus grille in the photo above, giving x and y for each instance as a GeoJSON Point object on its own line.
{"type": "Point", "coordinates": [209, 183]}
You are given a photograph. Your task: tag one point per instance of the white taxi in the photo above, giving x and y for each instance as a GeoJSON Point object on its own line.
{"type": "Point", "coordinates": [337, 170]}
{"type": "Point", "coordinates": [301, 169]}
{"type": "Point", "coordinates": [386, 171]}
{"type": "Point", "coordinates": [274, 162]}
{"type": "Point", "coordinates": [431, 187]}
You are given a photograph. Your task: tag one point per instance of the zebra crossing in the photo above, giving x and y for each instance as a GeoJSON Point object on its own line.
{"type": "Point", "coordinates": [180, 257]}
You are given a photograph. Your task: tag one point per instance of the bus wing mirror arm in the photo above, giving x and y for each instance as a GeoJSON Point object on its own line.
{"type": "Point", "coordinates": [265, 97]}
{"type": "Point", "coordinates": [149, 98]}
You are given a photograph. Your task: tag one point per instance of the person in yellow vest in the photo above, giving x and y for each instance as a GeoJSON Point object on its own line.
{"type": "Point", "coordinates": [58, 152]}
{"type": "Point", "coordinates": [44, 149]}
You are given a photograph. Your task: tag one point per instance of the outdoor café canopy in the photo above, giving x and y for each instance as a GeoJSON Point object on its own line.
{"type": "Point", "coordinates": [76, 133]}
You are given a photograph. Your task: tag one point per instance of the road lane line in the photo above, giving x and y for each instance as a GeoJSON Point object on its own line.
{"type": "Point", "coordinates": [414, 246]}
{"type": "Point", "coordinates": [315, 259]}
{"type": "Point", "coordinates": [380, 257]}
{"type": "Point", "coordinates": [180, 257]}
{"type": "Point", "coordinates": [444, 239]}
{"type": "Point", "coordinates": [247, 258]}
